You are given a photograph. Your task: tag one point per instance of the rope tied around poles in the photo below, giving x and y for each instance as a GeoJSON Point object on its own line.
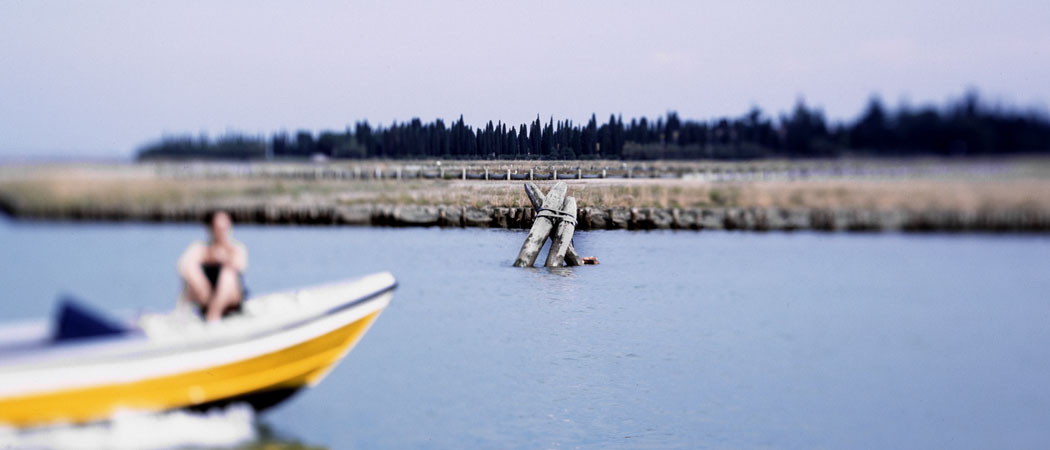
{"type": "Point", "coordinates": [559, 226]}
{"type": "Point", "coordinates": [553, 213]}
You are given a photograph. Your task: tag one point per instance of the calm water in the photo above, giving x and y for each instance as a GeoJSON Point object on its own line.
{"type": "Point", "coordinates": [692, 340]}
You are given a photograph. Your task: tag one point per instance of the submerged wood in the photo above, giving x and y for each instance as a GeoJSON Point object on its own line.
{"type": "Point", "coordinates": [536, 197]}
{"type": "Point", "coordinates": [572, 258]}
{"type": "Point", "coordinates": [561, 238]}
{"type": "Point", "coordinates": [541, 228]}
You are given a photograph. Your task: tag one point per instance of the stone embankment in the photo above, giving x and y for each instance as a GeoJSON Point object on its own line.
{"type": "Point", "coordinates": [756, 219]}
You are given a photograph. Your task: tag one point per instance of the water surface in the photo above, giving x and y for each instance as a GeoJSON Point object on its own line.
{"type": "Point", "coordinates": [677, 340]}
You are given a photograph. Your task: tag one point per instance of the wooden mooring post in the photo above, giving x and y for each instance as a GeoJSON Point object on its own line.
{"type": "Point", "coordinates": [561, 238]}
{"type": "Point", "coordinates": [555, 218]}
{"type": "Point", "coordinates": [536, 197]}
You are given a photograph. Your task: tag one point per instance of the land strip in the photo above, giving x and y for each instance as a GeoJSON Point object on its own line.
{"type": "Point", "coordinates": [928, 195]}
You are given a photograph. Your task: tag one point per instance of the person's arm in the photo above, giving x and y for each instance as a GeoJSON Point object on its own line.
{"type": "Point", "coordinates": [192, 274]}
{"type": "Point", "coordinates": [239, 262]}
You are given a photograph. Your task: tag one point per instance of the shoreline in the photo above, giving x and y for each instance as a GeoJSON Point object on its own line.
{"type": "Point", "coordinates": [1010, 195]}
{"type": "Point", "coordinates": [589, 218]}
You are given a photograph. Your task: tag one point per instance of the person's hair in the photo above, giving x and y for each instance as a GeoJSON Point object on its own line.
{"type": "Point", "coordinates": [209, 216]}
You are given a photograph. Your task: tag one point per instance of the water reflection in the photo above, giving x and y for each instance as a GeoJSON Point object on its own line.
{"type": "Point", "coordinates": [232, 427]}
{"type": "Point", "coordinates": [552, 283]}
{"type": "Point", "coordinates": [269, 438]}
{"type": "Point", "coordinates": [216, 428]}
{"type": "Point", "coordinates": [564, 272]}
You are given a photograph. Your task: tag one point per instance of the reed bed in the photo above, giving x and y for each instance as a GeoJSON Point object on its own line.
{"type": "Point", "coordinates": [57, 187]}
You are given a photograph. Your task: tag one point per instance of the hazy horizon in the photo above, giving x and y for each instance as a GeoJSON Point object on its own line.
{"type": "Point", "coordinates": [99, 79]}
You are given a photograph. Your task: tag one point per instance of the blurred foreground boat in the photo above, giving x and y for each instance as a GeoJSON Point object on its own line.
{"type": "Point", "coordinates": [86, 368]}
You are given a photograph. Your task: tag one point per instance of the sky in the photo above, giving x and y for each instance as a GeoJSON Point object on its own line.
{"type": "Point", "coordinates": [97, 79]}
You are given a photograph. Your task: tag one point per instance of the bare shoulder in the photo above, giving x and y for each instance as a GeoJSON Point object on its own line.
{"type": "Point", "coordinates": [196, 248]}
{"type": "Point", "coordinates": [193, 254]}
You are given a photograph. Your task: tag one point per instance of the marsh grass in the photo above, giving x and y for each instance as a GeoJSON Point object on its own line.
{"type": "Point", "coordinates": [59, 187]}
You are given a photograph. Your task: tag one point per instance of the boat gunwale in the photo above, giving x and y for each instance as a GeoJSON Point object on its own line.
{"type": "Point", "coordinates": [337, 323]}
{"type": "Point", "coordinates": [139, 344]}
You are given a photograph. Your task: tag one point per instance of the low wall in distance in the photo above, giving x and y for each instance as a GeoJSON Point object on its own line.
{"type": "Point", "coordinates": [753, 219]}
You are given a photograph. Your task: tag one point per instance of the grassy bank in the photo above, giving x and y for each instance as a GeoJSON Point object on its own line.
{"type": "Point", "coordinates": [1001, 187]}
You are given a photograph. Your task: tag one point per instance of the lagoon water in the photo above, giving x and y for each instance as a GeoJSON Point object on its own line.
{"type": "Point", "coordinates": [677, 340]}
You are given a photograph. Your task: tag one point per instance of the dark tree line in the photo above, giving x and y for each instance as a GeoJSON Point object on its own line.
{"type": "Point", "coordinates": [188, 147]}
{"type": "Point", "coordinates": [965, 127]}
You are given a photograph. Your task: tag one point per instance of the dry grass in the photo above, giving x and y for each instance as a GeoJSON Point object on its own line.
{"type": "Point", "coordinates": [62, 186]}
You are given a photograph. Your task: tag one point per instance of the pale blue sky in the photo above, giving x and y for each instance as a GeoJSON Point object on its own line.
{"type": "Point", "coordinates": [93, 79]}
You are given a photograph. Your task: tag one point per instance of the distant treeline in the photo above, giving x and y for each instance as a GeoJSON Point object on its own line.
{"type": "Point", "coordinates": [965, 127]}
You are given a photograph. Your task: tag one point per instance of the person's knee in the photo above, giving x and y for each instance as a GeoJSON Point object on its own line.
{"type": "Point", "coordinates": [198, 292]}
{"type": "Point", "coordinates": [227, 277]}
{"type": "Point", "coordinates": [229, 284]}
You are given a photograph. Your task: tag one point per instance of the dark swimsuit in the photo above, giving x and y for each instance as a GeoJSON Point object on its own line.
{"type": "Point", "coordinates": [211, 271]}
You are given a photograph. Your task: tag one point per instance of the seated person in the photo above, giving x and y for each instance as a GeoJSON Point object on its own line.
{"type": "Point", "coordinates": [212, 272]}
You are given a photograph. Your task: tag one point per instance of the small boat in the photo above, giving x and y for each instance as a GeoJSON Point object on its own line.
{"type": "Point", "coordinates": [85, 368]}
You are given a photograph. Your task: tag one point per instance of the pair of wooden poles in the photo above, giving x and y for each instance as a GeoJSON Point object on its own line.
{"type": "Point", "coordinates": [555, 218]}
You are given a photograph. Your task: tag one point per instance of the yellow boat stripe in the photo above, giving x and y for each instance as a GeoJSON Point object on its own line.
{"type": "Point", "coordinates": [293, 366]}
{"type": "Point", "coordinates": [173, 361]}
